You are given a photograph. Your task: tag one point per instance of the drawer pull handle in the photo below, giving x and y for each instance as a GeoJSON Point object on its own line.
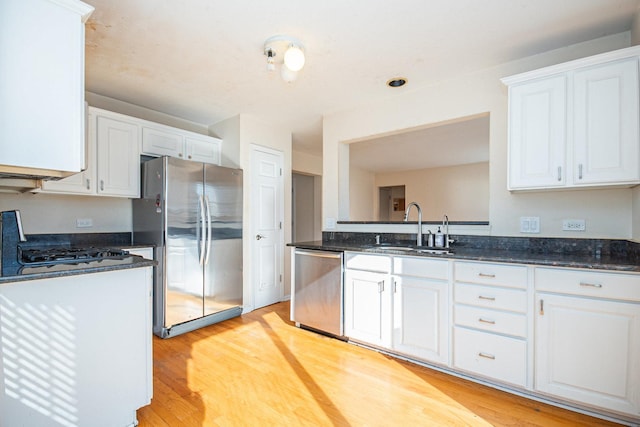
{"type": "Point", "coordinates": [486, 298]}
{"type": "Point", "coordinates": [488, 276]}
{"type": "Point", "coordinates": [491, 322]}
{"type": "Point", "coordinates": [487, 356]}
{"type": "Point", "coordinates": [590, 285]}
{"type": "Point", "coordinates": [381, 286]}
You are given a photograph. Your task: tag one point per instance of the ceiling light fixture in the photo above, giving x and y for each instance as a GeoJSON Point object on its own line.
{"type": "Point", "coordinates": [287, 51]}
{"type": "Point", "coordinates": [397, 82]}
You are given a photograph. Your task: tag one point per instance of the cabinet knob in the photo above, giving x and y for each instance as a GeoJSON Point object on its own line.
{"type": "Point", "coordinates": [179, 154]}
{"type": "Point", "coordinates": [189, 156]}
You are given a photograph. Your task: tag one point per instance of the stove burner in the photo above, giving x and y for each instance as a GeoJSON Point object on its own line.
{"type": "Point", "coordinates": [67, 255]}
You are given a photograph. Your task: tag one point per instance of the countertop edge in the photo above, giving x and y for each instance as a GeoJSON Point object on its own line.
{"type": "Point", "coordinates": [129, 262]}
{"type": "Point", "coordinates": [488, 255]}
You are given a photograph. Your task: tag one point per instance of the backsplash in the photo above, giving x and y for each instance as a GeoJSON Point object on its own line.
{"type": "Point", "coordinates": [557, 246]}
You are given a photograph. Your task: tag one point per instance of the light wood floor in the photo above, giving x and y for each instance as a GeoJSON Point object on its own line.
{"type": "Point", "coordinates": [260, 370]}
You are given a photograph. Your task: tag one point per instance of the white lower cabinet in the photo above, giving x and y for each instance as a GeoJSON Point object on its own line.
{"type": "Point", "coordinates": [406, 312]}
{"type": "Point", "coordinates": [491, 322]}
{"type": "Point", "coordinates": [367, 307]}
{"type": "Point", "coordinates": [491, 355]}
{"type": "Point", "coordinates": [421, 308]}
{"type": "Point", "coordinates": [570, 335]}
{"type": "Point", "coordinates": [588, 348]}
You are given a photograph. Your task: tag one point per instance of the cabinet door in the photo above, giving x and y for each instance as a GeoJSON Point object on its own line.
{"type": "Point", "coordinates": [606, 135]}
{"type": "Point", "coordinates": [158, 142]}
{"type": "Point", "coordinates": [367, 310]}
{"type": "Point", "coordinates": [83, 182]}
{"type": "Point", "coordinates": [420, 318]}
{"type": "Point", "coordinates": [588, 350]}
{"type": "Point", "coordinates": [42, 118]}
{"type": "Point", "coordinates": [537, 133]}
{"type": "Point", "coordinates": [203, 150]}
{"type": "Point", "coordinates": [118, 157]}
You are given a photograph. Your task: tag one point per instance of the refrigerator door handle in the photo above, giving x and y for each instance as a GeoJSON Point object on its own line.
{"type": "Point", "coordinates": [203, 236]}
{"type": "Point", "coordinates": [209, 230]}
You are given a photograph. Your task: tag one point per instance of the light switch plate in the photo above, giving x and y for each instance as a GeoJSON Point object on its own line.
{"type": "Point", "coordinates": [530, 224]}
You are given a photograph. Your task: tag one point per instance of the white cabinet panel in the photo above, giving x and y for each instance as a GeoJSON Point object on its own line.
{"type": "Point", "coordinates": [493, 356]}
{"type": "Point", "coordinates": [606, 133]}
{"type": "Point", "coordinates": [576, 124]}
{"type": "Point", "coordinates": [588, 351]}
{"type": "Point", "coordinates": [200, 150]}
{"type": "Point", "coordinates": [510, 276]}
{"type": "Point", "coordinates": [501, 322]}
{"type": "Point", "coordinates": [42, 117]}
{"type": "Point", "coordinates": [368, 307]}
{"type": "Point", "coordinates": [491, 297]}
{"type": "Point", "coordinates": [421, 318]}
{"type": "Point", "coordinates": [162, 142]}
{"type": "Point", "coordinates": [118, 157]}
{"type": "Point", "coordinates": [537, 133]}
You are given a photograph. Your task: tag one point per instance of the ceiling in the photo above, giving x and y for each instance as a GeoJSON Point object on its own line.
{"type": "Point", "coordinates": [459, 143]}
{"type": "Point", "coordinates": [202, 60]}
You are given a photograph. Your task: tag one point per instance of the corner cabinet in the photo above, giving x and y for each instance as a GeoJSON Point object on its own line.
{"type": "Point", "coordinates": [576, 124]}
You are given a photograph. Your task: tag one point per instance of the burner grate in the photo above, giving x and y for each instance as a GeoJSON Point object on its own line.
{"type": "Point", "coordinates": [67, 255]}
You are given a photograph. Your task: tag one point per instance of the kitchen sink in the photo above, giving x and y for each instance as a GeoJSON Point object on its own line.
{"type": "Point", "coordinates": [424, 250]}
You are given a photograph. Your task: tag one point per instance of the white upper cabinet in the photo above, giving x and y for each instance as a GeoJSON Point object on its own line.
{"type": "Point", "coordinates": [576, 124]}
{"type": "Point", "coordinates": [113, 160]}
{"type": "Point", "coordinates": [605, 111]}
{"type": "Point", "coordinates": [42, 118]}
{"type": "Point", "coordinates": [118, 157]}
{"type": "Point", "coordinates": [158, 140]}
{"type": "Point", "coordinates": [537, 132]}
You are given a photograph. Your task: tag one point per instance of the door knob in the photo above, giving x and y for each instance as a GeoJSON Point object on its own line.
{"type": "Point", "coordinates": [260, 236]}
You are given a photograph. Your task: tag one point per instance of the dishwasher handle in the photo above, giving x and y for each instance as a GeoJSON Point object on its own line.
{"type": "Point", "coordinates": [332, 255]}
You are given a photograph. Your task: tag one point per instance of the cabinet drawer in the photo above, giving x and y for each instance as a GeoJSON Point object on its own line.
{"type": "Point", "coordinates": [511, 276]}
{"type": "Point", "coordinates": [492, 356]}
{"type": "Point", "coordinates": [411, 266]}
{"type": "Point", "coordinates": [358, 261]}
{"type": "Point", "coordinates": [491, 297]}
{"type": "Point", "coordinates": [491, 320]}
{"type": "Point", "coordinates": [588, 283]}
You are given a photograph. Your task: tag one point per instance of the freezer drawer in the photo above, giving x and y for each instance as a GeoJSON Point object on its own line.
{"type": "Point", "coordinates": [317, 298]}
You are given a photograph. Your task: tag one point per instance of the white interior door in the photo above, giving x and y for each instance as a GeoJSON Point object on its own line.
{"type": "Point", "coordinates": [267, 216]}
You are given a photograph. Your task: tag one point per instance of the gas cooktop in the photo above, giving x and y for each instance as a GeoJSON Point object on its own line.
{"type": "Point", "coordinates": [49, 256]}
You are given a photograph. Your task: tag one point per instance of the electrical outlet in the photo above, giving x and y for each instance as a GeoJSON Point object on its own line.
{"type": "Point", "coordinates": [530, 224]}
{"type": "Point", "coordinates": [574, 225]}
{"type": "Point", "coordinates": [330, 224]}
{"type": "Point", "coordinates": [84, 222]}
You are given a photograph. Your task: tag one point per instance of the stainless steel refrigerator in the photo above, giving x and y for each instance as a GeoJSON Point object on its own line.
{"type": "Point", "coordinates": [192, 213]}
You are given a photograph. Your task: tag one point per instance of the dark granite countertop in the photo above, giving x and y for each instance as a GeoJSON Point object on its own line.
{"type": "Point", "coordinates": [59, 270]}
{"type": "Point", "coordinates": [602, 262]}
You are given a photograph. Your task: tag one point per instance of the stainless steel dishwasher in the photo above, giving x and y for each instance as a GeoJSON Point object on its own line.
{"type": "Point", "coordinates": [317, 297]}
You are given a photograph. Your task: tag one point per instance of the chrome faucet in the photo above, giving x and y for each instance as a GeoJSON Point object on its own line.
{"type": "Point", "coordinates": [406, 217]}
{"type": "Point", "coordinates": [445, 227]}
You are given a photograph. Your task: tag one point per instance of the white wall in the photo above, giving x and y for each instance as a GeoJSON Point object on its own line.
{"type": "Point", "coordinates": [306, 163]}
{"type": "Point", "coordinates": [245, 130]}
{"type": "Point", "coordinates": [461, 192]}
{"type": "Point", "coordinates": [54, 214]}
{"type": "Point", "coordinates": [636, 214]}
{"type": "Point", "coordinates": [362, 195]}
{"type": "Point", "coordinates": [608, 212]}
{"type": "Point", "coordinates": [635, 28]}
